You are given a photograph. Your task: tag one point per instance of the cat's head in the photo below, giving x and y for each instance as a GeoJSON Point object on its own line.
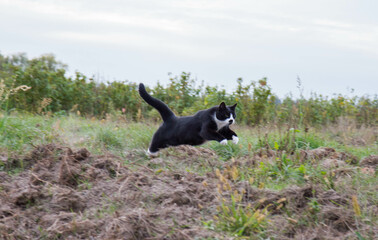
{"type": "Point", "coordinates": [226, 114]}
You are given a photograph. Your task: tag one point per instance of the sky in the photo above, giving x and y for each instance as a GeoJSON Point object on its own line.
{"type": "Point", "coordinates": [331, 46]}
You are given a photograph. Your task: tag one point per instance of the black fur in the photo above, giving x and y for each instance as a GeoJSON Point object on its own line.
{"type": "Point", "coordinates": [191, 130]}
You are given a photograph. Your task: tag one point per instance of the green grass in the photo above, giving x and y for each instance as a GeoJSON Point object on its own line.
{"type": "Point", "coordinates": [291, 140]}
{"type": "Point", "coordinates": [21, 132]}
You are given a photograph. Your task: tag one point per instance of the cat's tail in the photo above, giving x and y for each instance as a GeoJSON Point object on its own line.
{"type": "Point", "coordinates": [163, 109]}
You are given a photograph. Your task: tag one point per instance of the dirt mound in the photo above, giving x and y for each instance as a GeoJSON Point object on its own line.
{"type": "Point", "coordinates": [195, 151]}
{"type": "Point", "coordinates": [329, 157]}
{"type": "Point", "coordinates": [294, 198]}
{"type": "Point", "coordinates": [65, 194]}
{"type": "Point", "coordinates": [187, 153]}
{"type": "Point", "coordinates": [136, 224]}
{"type": "Point", "coordinates": [318, 153]}
{"type": "Point", "coordinates": [68, 194]}
{"type": "Point", "coordinates": [370, 161]}
{"type": "Point", "coordinates": [332, 163]}
{"type": "Point", "coordinates": [308, 203]}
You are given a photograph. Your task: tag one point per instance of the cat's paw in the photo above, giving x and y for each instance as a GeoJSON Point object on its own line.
{"type": "Point", "coordinates": [152, 154]}
{"type": "Point", "coordinates": [223, 142]}
{"type": "Point", "coordinates": [235, 139]}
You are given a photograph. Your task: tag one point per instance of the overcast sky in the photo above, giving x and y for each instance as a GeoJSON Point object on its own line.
{"type": "Point", "coordinates": [331, 45]}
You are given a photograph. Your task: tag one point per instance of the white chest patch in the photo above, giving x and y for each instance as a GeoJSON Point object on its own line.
{"type": "Point", "coordinates": [223, 123]}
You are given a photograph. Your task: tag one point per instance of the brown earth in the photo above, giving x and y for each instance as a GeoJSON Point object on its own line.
{"type": "Point", "coordinates": [66, 194]}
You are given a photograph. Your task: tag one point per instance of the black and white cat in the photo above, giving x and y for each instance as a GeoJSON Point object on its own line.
{"type": "Point", "coordinates": [209, 124]}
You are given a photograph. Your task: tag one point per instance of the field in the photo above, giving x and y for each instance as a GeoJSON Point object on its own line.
{"type": "Point", "coordinates": [70, 177]}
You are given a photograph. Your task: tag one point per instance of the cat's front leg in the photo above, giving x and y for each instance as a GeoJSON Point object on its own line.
{"type": "Point", "coordinates": [229, 134]}
{"type": "Point", "coordinates": [213, 135]}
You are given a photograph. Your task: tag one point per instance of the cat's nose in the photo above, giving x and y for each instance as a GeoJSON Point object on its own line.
{"type": "Point", "coordinates": [230, 121]}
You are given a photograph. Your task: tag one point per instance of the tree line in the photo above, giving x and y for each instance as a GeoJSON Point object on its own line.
{"type": "Point", "coordinates": [52, 91]}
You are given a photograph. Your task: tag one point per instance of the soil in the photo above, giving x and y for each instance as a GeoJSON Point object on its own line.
{"type": "Point", "coordinates": [65, 194]}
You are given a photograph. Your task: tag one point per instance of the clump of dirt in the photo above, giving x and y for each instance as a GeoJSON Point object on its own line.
{"type": "Point", "coordinates": [358, 141]}
{"type": "Point", "coordinates": [187, 155]}
{"type": "Point", "coordinates": [136, 224]}
{"type": "Point", "coordinates": [190, 154]}
{"type": "Point", "coordinates": [318, 153]}
{"type": "Point", "coordinates": [294, 198]}
{"type": "Point", "coordinates": [346, 157]}
{"type": "Point", "coordinates": [332, 197]}
{"type": "Point", "coordinates": [332, 163]}
{"type": "Point", "coordinates": [338, 218]}
{"type": "Point", "coordinates": [328, 157]}
{"type": "Point", "coordinates": [369, 164]}
{"type": "Point", "coordinates": [265, 152]}
{"type": "Point", "coordinates": [370, 161]}
{"type": "Point", "coordinates": [191, 151]}
{"type": "Point", "coordinates": [291, 206]}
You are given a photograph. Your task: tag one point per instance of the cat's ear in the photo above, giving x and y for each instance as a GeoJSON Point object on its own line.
{"type": "Point", "coordinates": [233, 106]}
{"type": "Point", "coordinates": [222, 105]}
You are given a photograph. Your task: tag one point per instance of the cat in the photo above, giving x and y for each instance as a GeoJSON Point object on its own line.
{"type": "Point", "coordinates": [210, 124]}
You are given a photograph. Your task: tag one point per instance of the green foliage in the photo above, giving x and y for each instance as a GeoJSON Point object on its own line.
{"type": "Point", "coordinates": [228, 151]}
{"type": "Point", "coordinates": [255, 105]}
{"type": "Point", "coordinates": [52, 91]}
{"type": "Point", "coordinates": [108, 138]}
{"type": "Point", "coordinates": [16, 131]}
{"type": "Point", "coordinates": [284, 169]}
{"type": "Point", "coordinates": [234, 215]}
{"type": "Point", "coordinates": [241, 220]}
{"type": "Point", "coordinates": [291, 140]}
{"type": "Point", "coordinates": [139, 135]}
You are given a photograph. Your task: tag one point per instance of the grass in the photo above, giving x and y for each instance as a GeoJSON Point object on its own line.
{"type": "Point", "coordinates": [20, 133]}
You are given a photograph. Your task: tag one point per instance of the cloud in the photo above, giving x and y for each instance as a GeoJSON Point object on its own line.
{"type": "Point", "coordinates": [194, 26]}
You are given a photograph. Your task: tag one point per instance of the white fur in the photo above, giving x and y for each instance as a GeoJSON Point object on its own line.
{"type": "Point", "coordinates": [223, 142]}
{"type": "Point", "coordinates": [223, 123]}
{"type": "Point", "coordinates": [152, 154]}
{"type": "Point", "coordinates": [235, 139]}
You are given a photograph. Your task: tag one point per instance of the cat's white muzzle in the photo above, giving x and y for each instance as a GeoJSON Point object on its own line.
{"type": "Point", "coordinates": [222, 123]}
{"type": "Point", "coordinates": [231, 120]}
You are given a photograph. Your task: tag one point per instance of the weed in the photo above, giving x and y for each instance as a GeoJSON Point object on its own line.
{"type": "Point", "coordinates": [314, 208]}
{"type": "Point", "coordinates": [234, 216]}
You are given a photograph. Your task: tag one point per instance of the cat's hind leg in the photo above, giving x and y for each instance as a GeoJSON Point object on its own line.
{"type": "Point", "coordinates": [156, 144]}
{"type": "Point", "coordinates": [153, 150]}
{"type": "Point", "coordinates": [152, 154]}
